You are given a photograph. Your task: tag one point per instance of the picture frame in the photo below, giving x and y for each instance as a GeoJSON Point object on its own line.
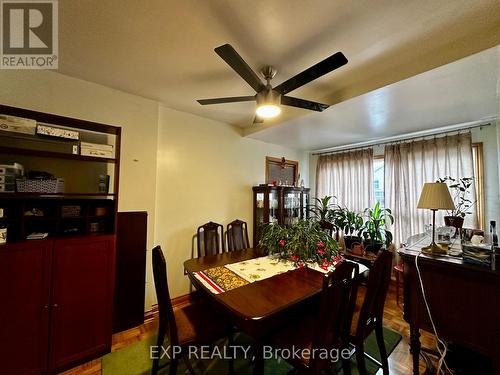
{"type": "Point", "coordinates": [281, 171]}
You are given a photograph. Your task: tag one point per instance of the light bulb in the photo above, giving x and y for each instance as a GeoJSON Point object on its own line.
{"type": "Point", "coordinates": [268, 110]}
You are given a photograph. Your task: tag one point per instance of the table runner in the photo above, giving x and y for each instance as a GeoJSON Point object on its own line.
{"type": "Point", "coordinates": [223, 278]}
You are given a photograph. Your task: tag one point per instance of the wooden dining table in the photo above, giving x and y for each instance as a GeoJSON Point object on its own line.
{"type": "Point", "coordinates": [261, 306]}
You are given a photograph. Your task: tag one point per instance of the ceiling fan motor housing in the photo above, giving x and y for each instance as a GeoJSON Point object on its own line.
{"type": "Point", "coordinates": [268, 96]}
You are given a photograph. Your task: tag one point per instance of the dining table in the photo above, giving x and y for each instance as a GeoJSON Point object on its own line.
{"type": "Point", "coordinates": [258, 293]}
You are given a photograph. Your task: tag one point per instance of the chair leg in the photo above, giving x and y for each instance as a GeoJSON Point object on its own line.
{"type": "Point", "coordinates": [230, 343]}
{"type": "Point", "coordinates": [360, 358]}
{"type": "Point", "coordinates": [379, 332]}
{"type": "Point", "coordinates": [159, 343]}
{"type": "Point", "coordinates": [397, 288]}
{"type": "Point", "coordinates": [173, 366]}
{"type": "Point", "coordinates": [346, 366]}
{"type": "Point", "coordinates": [188, 365]}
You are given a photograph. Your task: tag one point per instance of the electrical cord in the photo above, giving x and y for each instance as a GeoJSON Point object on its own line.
{"type": "Point", "coordinates": [442, 352]}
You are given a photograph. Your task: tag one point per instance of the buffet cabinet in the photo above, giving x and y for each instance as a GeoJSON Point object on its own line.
{"type": "Point", "coordinates": [284, 205]}
{"type": "Point", "coordinates": [58, 296]}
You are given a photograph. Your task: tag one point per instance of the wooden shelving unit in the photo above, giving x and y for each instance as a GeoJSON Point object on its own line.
{"type": "Point", "coordinates": [67, 279]}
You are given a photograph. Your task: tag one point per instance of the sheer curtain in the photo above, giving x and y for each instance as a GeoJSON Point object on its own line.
{"type": "Point", "coordinates": [347, 176]}
{"type": "Point", "coordinates": [409, 165]}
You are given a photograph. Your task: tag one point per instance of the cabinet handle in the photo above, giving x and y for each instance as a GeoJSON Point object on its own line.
{"type": "Point", "coordinates": [55, 305]}
{"type": "Point", "coordinates": [45, 307]}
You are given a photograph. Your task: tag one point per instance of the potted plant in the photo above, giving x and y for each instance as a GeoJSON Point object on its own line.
{"type": "Point", "coordinates": [460, 190]}
{"type": "Point", "coordinates": [322, 208]}
{"type": "Point", "coordinates": [352, 225]}
{"type": "Point", "coordinates": [302, 243]}
{"type": "Point", "coordinates": [375, 233]}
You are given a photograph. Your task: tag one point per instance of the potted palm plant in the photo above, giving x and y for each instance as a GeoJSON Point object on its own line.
{"type": "Point", "coordinates": [460, 190]}
{"type": "Point", "coordinates": [351, 223]}
{"type": "Point", "coordinates": [375, 232]}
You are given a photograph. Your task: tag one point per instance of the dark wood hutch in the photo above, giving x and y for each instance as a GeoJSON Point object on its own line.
{"type": "Point", "coordinates": [57, 292]}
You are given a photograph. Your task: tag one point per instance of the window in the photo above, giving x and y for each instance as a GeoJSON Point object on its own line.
{"type": "Point", "coordinates": [378, 179]}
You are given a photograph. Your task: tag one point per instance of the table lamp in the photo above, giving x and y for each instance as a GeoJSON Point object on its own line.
{"type": "Point", "coordinates": [435, 196]}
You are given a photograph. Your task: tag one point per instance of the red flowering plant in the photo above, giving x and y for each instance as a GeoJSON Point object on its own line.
{"type": "Point", "coordinates": [302, 243]}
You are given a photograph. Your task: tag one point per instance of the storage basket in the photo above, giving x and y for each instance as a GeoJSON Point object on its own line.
{"type": "Point", "coordinates": [31, 185]}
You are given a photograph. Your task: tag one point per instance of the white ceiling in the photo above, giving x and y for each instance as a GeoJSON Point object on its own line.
{"type": "Point", "coordinates": [459, 92]}
{"type": "Point", "coordinates": [163, 49]}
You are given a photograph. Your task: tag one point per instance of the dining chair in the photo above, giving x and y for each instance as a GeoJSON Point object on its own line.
{"type": "Point", "coordinates": [325, 328]}
{"type": "Point", "coordinates": [210, 239]}
{"type": "Point", "coordinates": [183, 326]}
{"type": "Point", "coordinates": [368, 315]}
{"type": "Point", "coordinates": [237, 235]}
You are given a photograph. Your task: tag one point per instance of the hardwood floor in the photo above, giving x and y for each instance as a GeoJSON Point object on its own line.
{"type": "Point", "coordinates": [400, 361]}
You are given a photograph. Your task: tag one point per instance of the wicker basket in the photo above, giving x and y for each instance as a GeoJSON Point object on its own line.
{"type": "Point", "coordinates": [30, 185]}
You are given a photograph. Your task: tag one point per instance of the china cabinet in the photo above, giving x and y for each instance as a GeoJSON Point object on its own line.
{"type": "Point", "coordinates": [284, 205]}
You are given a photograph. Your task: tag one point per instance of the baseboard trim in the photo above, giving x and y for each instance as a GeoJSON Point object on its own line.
{"type": "Point", "coordinates": [176, 302]}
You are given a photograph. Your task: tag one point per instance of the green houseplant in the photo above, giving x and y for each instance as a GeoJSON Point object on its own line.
{"type": "Point", "coordinates": [460, 190]}
{"type": "Point", "coordinates": [375, 232]}
{"type": "Point", "coordinates": [351, 223]}
{"type": "Point", "coordinates": [322, 208]}
{"type": "Point", "coordinates": [301, 243]}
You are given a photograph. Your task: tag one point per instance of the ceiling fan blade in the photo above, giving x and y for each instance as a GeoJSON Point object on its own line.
{"type": "Point", "coordinates": [302, 103]}
{"type": "Point", "coordinates": [326, 66]}
{"type": "Point", "coordinates": [258, 120]}
{"type": "Point", "coordinates": [235, 61]}
{"type": "Point", "coordinates": [231, 99]}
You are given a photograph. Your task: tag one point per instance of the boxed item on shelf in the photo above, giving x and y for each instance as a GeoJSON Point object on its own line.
{"type": "Point", "coordinates": [17, 124]}
{"type": "Point", "coordinates": [96, 146]}
{"type": "Point", "coordinates": [477, 254]}
{"type": "Point", "coordinates": [96, 153]}
{"type": "Point", "coordinates": [35, 185]}
{"type": "Point", "coordinates": [15, 169]}
{"type": "Point", "coordinates": [53, 131]}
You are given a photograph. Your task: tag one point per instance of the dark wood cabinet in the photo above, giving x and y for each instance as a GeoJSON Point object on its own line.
{"type": "Point", "coordinates": [131, 242]}
{"type": "Point", "coordinates": [59, 309]}
{"type": "Point", "coordinates": [25, 271]}
{"type": "Point", "coordinates": [81, 303]}
{"type": "Point", "coordinates": [284, 205]}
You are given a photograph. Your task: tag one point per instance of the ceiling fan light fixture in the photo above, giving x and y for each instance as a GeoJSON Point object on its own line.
{"type": "Point", "coordinates": [268, 111]}
{"type": "Point", "coordinates": [268, 103]}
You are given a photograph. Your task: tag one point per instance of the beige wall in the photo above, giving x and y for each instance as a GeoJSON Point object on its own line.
{"type": "Point", "coordinates": [206, 171]}
{"type": "Point", "coordinates": [55, 93]}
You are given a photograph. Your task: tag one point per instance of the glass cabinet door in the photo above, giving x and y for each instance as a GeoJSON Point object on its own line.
{"type": "Point", "coordinates": [259, 208]}
{"type": "Point", "coordinates": [305, 204]}
{"type": "Point", "coordinates": [291, 207]}
{"type": "Point", "coordinates": [273, 206]}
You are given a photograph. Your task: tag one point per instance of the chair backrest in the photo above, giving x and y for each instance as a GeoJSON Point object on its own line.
{"type": "Point", "coordinates": [336, 308]}
{"type": "Point", "coordinates": [372, 310]}
{"type": "Point", "coordinates": [165, 310]}
{"type": "Point", "coordinates": [237, 235]}
{"type": "Point", "coordinates": [210, 238]}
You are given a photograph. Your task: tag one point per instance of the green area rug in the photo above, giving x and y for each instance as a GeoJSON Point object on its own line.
{"type": "Point", "coordinates": [134, 359]}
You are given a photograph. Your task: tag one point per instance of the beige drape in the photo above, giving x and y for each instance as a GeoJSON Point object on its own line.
{"type": "Point", "coordinates": [347, 176]}
{"type": "Point", "coordinates": [409, 165]}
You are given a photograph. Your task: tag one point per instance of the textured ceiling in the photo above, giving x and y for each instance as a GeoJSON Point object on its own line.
{"type": "Point", "coordinates": [163, 50]}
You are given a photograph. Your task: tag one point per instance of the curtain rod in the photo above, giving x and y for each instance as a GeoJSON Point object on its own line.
{"type": "Point", "coordinates": [403, 139]}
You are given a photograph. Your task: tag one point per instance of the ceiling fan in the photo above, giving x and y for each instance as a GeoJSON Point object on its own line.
{"type": "Point", "coordinates": [269, 98]}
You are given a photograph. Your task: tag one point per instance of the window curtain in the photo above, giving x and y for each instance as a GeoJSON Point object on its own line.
{"type": "Point", "coordinates": [409, 165]}
{"type": "Point", "coordinates": [347, 176]}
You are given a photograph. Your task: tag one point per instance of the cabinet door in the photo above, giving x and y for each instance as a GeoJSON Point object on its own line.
{"type": "Point", "coordinates": [24, 312]}
{"type": "Point", "coordinates": [82, 299]}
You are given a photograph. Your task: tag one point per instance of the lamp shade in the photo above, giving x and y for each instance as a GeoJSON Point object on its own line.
{"type": "Point", "coordinates": [435, 196]}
